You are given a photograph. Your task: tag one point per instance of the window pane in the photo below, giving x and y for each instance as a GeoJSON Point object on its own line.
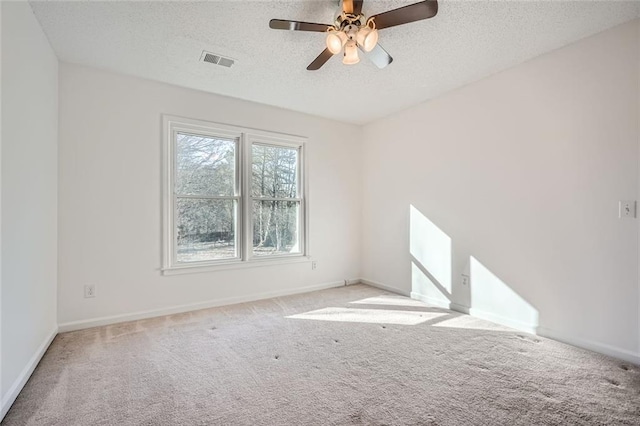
{"type": "Point", "coordinates": [205, 165]}
{"type": "Point", "coordinates": [275, 171]}
{"type": "Point", "coordinates": [275, 227]}
{"type": "Point", "coordinates": [206, 229]}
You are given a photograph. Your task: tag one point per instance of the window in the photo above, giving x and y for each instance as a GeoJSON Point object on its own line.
{"type": "Point", "coordinates": [232, 196]}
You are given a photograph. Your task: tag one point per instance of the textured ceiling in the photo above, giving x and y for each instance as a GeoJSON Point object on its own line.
{"type": "Point", "coordinates": [466, 41]}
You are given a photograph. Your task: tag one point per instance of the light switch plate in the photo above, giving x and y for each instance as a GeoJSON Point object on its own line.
{"type": "Point", "coordinates": [627, 209]}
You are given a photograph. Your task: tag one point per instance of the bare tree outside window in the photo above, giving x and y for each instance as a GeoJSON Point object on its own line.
{"type": "Point", "coordinates": [205, 203]}
{"type": "Point", "coordinates": [274, 190]}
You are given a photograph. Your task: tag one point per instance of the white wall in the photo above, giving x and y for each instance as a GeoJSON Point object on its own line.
{"type": "Point", "coordinates": [29, 196]}
{"type": "Point", "coordinates": [2, 408]}
{"type": "Point", "coordinates": [110, 197]}
{"type": "Point", "coordinates": [518, 176]}
{"type": "Point", "coordinates": [523, 172]}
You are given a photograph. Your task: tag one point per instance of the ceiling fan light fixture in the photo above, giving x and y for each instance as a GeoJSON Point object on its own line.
{"type": "Point", "coordinates": [367, 36]}
{"type": "Point", "coordinates": [370, 40]}
{"type": "Point", "coordinates": [350, 53]}
{"type": "Point", "coordinates": [335, 41]}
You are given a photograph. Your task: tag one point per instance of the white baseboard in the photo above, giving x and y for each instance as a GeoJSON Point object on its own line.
{"type": "Point", "coordinates": [438, 303]}
{"type": "Point", "coordinates": [16, 387]}
{"type": "Point", "coordinates": [114, 319]}
{"type": "Point", "coordinates": [509, 322]}
{"type": "Point", "coordinates": [602, 348]}
{"type": "Point", "coordinates": [459, 308]}
{"type": "Point", "coordinates": [384, 287]}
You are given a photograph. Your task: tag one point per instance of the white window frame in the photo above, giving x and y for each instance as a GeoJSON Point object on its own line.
{"type": "Point", "coordinates": [245, 137]}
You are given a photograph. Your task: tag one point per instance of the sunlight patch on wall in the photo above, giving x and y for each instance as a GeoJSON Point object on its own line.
{"type": "Point", "coordinates": [430, 249]}
{"type": "Point", "coordinates": [426, 289]}
{"type": "Point", "coordinates": [372, 316]}
{"type": "Point", "coordinates": [493, 299]}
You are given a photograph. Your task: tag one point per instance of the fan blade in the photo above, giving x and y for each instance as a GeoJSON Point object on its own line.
{"type": "Point", "coordinates": [378, 56]}
{"type": "Point", "coordinates": [414, 12]}
{"type": "Point", "coordinates": [353, 7]}
{"type": "Point", "coordinates": [283, 24]}
{"type": "Point", "coordinates": [320, 60]}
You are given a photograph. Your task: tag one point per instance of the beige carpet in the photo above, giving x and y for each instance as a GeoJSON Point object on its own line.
{"type": "Point", "coordinates": [352, 355]}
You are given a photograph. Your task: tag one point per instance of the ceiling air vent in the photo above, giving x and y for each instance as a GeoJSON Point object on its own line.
{"type": "Point", "coordinates": [212, 58]}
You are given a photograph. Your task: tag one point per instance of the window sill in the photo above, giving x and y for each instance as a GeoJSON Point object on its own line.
{"type": "Point", "coordinates": [195, 269]}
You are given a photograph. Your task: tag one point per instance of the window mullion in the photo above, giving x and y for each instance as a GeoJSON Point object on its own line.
{"type": "Point", "coordinates": [294, 200]}
{"type": "Point", "coordinates": [238, 192]}
{"type": "Point", "coordinates": [247, 216]}
{"type": "Point", "coordinates": [303, 236]}
{"type": "Point", "coordinates": [208, 197]}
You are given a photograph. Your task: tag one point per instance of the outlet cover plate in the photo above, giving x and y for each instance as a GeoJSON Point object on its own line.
{"type": "Point", "coordinates": [627, 209]}
{"type": "Point", "coordinates": [89, 291]}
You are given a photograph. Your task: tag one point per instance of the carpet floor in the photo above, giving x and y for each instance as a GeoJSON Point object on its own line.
{"type": "Point", "coordinates": [345, 356]}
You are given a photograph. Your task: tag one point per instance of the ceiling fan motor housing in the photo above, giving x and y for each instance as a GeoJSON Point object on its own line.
{"type": "Point", "coordinates": [346, 19]}
{"type": "Point", "coordinates": [351, 31]}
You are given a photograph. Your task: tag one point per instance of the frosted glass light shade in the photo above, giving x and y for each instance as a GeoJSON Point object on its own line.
{"type": "Point", "coordinates": [350, 53]}
{"type": "Point", "coordinates": [367, 38]}
{"type": "Point", "coordinates": [335, 40]}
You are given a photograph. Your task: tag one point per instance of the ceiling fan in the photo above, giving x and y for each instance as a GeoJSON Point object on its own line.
{"type": "Point", "coordinates": [352, 31]}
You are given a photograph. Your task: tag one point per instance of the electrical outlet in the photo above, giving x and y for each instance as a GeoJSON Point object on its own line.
{"type": "Point", "coordinates": [89, 291]}
{"type": "Point", "coordinates": [627, 209]}
{"type": "Point", "coordinates": [314, 264]}
{"type": "Point", "coordinates": [465, 279]}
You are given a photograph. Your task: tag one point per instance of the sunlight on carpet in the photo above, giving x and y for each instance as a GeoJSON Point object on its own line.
{"type": "Point", "coordinates": [371, 316]}
{"type": "Point", "coordinates": [389, 300]}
